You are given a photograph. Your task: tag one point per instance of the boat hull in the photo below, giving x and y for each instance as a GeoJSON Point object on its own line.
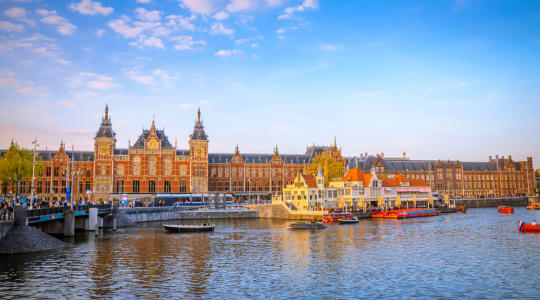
{"type": "Point", "coordinates": [350, 221]}
{"type": "Point", "coordinates": [534, 206]}
{"type": "Point", "coordinates": [189, 228]}
{"type": "Point", "coordinates": [313, 225]}
{"type": "Point", "coordinates": [406, 213]}
{"type": "Point", "coordinates": [362, 215]}
{"type": "Point", "coordinates": [524, 227]}
{"type": "Point", "coordinates": [505, 209]}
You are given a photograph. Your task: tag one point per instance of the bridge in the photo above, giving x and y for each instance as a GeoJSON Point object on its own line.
{"type": "Point", "coordinates": [35, 216]}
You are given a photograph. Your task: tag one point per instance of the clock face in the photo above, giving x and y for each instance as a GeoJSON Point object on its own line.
{"type": "Point", "coordinates": [199, 152]}
{"type": "Point", "coordinates": [153, 144]}
{"type": "Point", "coordinates": [104, 150]}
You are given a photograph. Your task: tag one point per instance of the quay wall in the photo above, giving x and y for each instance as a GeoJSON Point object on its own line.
{"type": "Point", "coordinates": [280, 211]}
{"type": "Point", "coordinates": [493, 202]}
{"type": "Point", "coordinates": [150, 214]}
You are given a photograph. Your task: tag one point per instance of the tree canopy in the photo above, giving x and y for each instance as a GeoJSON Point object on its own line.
{"type": "Point", "coordinates": [332, 168]}
{"type": "Point", "coordinates": [16, 165]}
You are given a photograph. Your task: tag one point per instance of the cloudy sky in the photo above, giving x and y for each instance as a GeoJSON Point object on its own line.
{"type": "Point", "coordinates": [438, 79]}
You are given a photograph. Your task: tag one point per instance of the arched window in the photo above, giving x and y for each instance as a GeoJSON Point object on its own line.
{"type": "Point", "coordinates": [167, 166]}
{"type": "Point", "coordinates": [137, 165]}
{"type": "Point", "coordinates": [152, 170]}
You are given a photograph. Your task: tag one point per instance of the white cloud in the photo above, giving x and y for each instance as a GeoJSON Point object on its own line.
{"type": "Point", "coordinates": [51, 17]}
{"type": "Point", "coordinates": [241, 5]}
{"type": "Point", "coordinates": [122, 27]}
{"type": "Point", "coordinates": [15, 12]}
{"type": "Point", "coordinates": [218, 28]}
{"type": "Point", "coordinates": [185, 42]}
{"type": "Point", "coordinates": [66, 103]}
{"type": "Point", "coordinates": [7, 26]}
{"type": "Point", "coordinates": [330, 48]}
{"type": "Point", "coordinates": [180, 22]}
{"type": "Point", "coordinates": [306, 4]}
{"type": "Point", "coordinates": [89, 7]}
{"type": "Point", "coordinates": [100, 32]}
{"type": "Point", "coordinates": [92, 80]}
{"type": "Point", "coordinates": [153, 42]}
{"type": "Point", "coordinates": [144, 1]}
{"type": "Point", "coordinates": [37, 44]}
{"type": "Point", "coordinates": [190, 105]}
{"type": "Point", "coordinates": [154, 78]}
{"type": "Point", "coordinates": [225, 53]}
{"type": "Point", "coordinates": [148, 15]}
{"type": "Point", "coordinates": [222, 15]}
{"type": "Point", "coordinates": [371, 95]}
{"type": "Point", "coordinates": [204, 7]}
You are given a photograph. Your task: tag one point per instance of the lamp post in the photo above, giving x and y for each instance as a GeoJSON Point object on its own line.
{"type": "Point", "coordinates": [33, 173]}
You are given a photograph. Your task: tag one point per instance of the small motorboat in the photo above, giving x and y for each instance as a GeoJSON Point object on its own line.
{"type": "Point", "coordinates": [524, 227]}
{"type": "Point", "coordinates": [505, 209]}
{"type": "Point", "coordinates": [189, 228]}
{"type": "Point", "coordinates": [308, 225]}
{"type": "Point", "coordinates": [348, 221]}
{"type": "Point", "coordinates": [462, 208]}
{"type": "Point", "coordinates": [534, 205]}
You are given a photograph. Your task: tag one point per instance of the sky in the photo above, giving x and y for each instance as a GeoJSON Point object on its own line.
{"type": "Point", "coordinates": [436, 79]}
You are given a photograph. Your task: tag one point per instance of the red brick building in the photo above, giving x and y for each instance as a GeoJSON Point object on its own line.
{"type": "Point", "coordinates": [152, 165]}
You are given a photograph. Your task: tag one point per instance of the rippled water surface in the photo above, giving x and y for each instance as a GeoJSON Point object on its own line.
{"type": "Point", "coordinates": [475, 255]}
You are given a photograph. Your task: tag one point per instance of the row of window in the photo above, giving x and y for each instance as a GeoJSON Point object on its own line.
{"type": "Point", "coordinates": [152, 187]}
{"type": "Point", "coordinates": [253, 172]}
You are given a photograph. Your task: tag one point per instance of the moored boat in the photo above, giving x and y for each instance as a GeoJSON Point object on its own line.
{"type": "Point", "coordinates": [348, 221]}
{"type": "Point", "coordinates": [524, 227]}
{"type": "Point", "coordinates": [336, 216]}
{"type": "Point", "coordinates": [461, 208]}
{"type": "Point", "coordinates": [446, 210]}
{"type": "Point", "coordinates": [307, 225]}
{"type": "Point", "coordinates": [505, 209]}
{"type": "Point", "coordinates": [534, 205]}
{"type": "Point", "coordinates": [362, 215]}
{"type": "Point", "coordinates": [406, 213]}
{"type": "Point", "coordinates": [189, 228]}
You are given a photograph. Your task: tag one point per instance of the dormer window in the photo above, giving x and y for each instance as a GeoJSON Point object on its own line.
{"type": "Point", "coordinates": [405, 183]}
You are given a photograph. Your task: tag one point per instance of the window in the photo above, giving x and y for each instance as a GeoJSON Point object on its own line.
{"type": "Point", "coordinates": [167, 186]}
{"type": "Point", "coordinates": [120, 186]}
{"type": "Point", "coordinates": [48, 172]}
{"type": "Point", "coordinates": [63, 186]}
{"type": "Point", "coordinates": [47, 186]}
{"type": "Point", "coordinates": [136, 186]}
{"type": "Point", "coordinates": [40, 187]}
{"type": "Point", "coordinates": [167, 166]}
{"type": "Point", "coordinates": [88, 172]}
{"type": "Point", "coordinates": [120, 170]}
{"type": "Point", "coordinates": [80, 187]}
{"type": "Point", "coordinates": [183, 187]}
{"type": "Point", "coordinates": [87, 185]}
{"type": "Point", "coordinates": [137, 166]}
{"type": "Point", "coordinates": [56, 171]}
{"type": "Point", "coordinates": [152, 170]}
{"type": "Point", "coordinates": [183, 170]}
{"type": "Point", "coordinates": [151, 186]}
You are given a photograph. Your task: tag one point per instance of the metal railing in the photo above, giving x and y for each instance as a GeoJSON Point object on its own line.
{"type": "Point", "coordinates": [61, 210]}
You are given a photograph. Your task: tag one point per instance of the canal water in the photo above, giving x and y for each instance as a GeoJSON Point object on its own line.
{"type": "Point", "coordinates": [475, 255]}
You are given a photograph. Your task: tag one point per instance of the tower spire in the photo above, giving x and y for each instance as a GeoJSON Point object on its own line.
{"type": "Point", "coordinates": [199, 115]}
{"type": "Point", "coordinates": [106, 111]}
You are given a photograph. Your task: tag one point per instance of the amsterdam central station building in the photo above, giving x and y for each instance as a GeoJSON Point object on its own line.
{"type": "Point", "coordinates": [152, 166]}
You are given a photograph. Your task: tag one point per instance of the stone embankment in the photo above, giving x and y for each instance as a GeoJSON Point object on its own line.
{"type": "Point", "coordinates": [21, 238]}
{"type": "Point", "coordinates": [493, 202]}
{"type": "Point", "coordinates": [138, 215]}
{"type": "Point", "coordinates": [280, 211]}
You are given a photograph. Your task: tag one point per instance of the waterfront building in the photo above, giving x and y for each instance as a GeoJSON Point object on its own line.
{"type": "Point", "coordinates": [153, 166]}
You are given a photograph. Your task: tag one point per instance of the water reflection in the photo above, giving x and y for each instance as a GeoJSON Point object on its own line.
{"type": "Point", "coordinates": [475, 255]}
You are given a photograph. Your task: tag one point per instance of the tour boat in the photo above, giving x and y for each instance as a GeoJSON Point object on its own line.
{"type": "Point", "coordinates": [534, 205]}
{"type": "Point", "coordinates": [405, 213]}
{"type": "Point", "coordinates": [189, 228]}
{"type": "Point", "coordinates": [308, 225]}
{"type": "Point", "coordinates": [335, 217]}
{"type": "Point", "coordinates": [505, 209]}
{"type": "Point", "coordinates": [348, 221]}
{"type": "Point", "coordinates": [524, 227]}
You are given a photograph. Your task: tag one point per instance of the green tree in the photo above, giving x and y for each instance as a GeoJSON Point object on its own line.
{"type": "Point", "coordinates": [332, 168]}
{"type": "Point", "coordinates": [16, 166]}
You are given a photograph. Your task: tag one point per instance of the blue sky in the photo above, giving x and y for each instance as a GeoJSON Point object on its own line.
{"type": "Point", "coordinates": [438, 79]}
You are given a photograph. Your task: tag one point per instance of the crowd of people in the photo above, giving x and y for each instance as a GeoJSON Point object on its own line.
{"type": "Point", "coordinates": [6, 211]}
